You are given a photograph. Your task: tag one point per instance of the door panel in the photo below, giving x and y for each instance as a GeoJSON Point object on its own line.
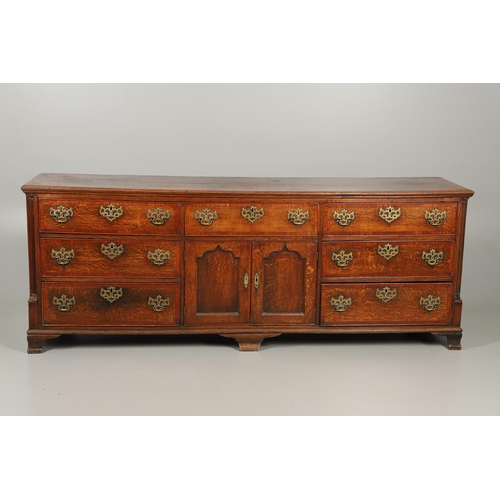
{"type": "Point", "coordinates": [284, 283]}
{"type": "Point", "coordinates": [216, 289]}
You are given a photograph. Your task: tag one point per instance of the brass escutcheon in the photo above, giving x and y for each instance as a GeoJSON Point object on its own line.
{"type": "Point", "coordinates": [298, 217]}
{"type": "Point", "coordinates": [158, 216]}
{"type": "Point", "coordinates": [61, 214]}
{"type": "Point", "coordinates": [342, 258]}
{"type": "Point", "coordinates": [388, 251]}
{"type": "Point", "coordinates": [111, 293]}
{"type": "Point", "coordinates": [63, 256]}
{"type": "Point", "coordinates": [385, 294]}
{"type": "Point", "coordinates": [341, 303]}
{"type": "Point", "coordinates": [112, 250]}
{"type": "Point", "coordinates": [245, 280]}
{"type": "Point", "coordinates": [435, 217]}
{"type": "Point", "coordinates": [390, 214]}
{"type": "Point", "coordinates": [158, 303]}
{"type": "Point", "coordinates": [64, 303]}
{"type": "Point", "coordinates": [159, 256]}
{"type": "Point", "coordinates": [253, 213]}
{"type": "Point", "coordinates": [205, 216]}
{"type": "Point", "coordinates": [430, 303]}
{"type": "Point", "coordinates": [433, 257]}
{"type": "Point", "coordinates": [256, 281]}
{"type": "Point", "coordinates": [111, 212]}
{"type": "Point", "coordinates": [343, 218]}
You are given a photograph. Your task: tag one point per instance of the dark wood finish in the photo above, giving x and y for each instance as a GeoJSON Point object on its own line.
{"type": "Point", "coordinates": [205, 275]}
{"type": "Point", "coordinates": [406, 265]}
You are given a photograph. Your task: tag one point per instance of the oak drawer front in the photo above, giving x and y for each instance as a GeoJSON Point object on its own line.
{"type": "Point", "coordinates": [389, 217]}
{"type": "Point", "coordinates": [110, 305]}
{"type": "Point", "coordinates": [388, 258]}
{"type": "Point", "coordinates": [251, 218]}
{"type": "Point", "coordinates": [109, 216]}
{"type": "Point", "coordinates": [387, 303]}
{"type": "Point", "coordinates": [110, 257]}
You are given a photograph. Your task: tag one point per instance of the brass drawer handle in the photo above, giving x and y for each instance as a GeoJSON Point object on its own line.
{"type": "Point", "coordinates": [245, 281]}
{"type": "Point", "coordinates": [111, 250]}
{"type": "Point", "coordinates": [341, 303]}
{"type": "Point", "coordinates": [159, 303]}
{"type": "Point", "coordinates": [388, 251]}
{"type": "Point", "coordinates": [253, 213]}
{"type": "Point", "coordinates": [63, 256]}
{"type": "Point", "coordinates": [64, 303]}
{"type": "Point", "coordinates": [298, 217]}
{"type": "Point", "coordinates": [343, 218]}
{"type": "Point", "coordinates": [385, 294]}
{"type": "Point", "coordinates": [61, 214]}
{"type": "Point", "coordinates": [111, 293]}
{"type": "Point", "coordinates": [158, 216]}
{"type": "Point", "coordinates": [256, 281]}
{"type": "Point", "coordinates": [159, 256]}
{"type": "Point", "coordinates": [432, 257]}
{"type": "Point", "coordinates": [435, 217]}
{"type": "Point", "coordinates": [205, 216]}
{"type": "Point", "coordinates": [111, 212]}
{"type": "Point", "coordinates": [430, 303]}
{"type": "Point", "coordinates": [390, 214]}
{"type": "Point", "coordinates": [342, 258]}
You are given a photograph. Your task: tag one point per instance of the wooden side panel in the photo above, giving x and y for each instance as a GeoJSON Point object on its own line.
{"type": "Point", "coordinates": [396, 259]}
{"type": "Point", "coordinates": [366, 218]}
{"type": "Point", "coordinates": [117, 256]}
{"type": "Point", "coordinates": [217, 291]}
{"type": "Point", "coordinates": [91, 309]}
{"type": "Point", "coordinates": [284, 282]}
{"type": "Point", "coordinates": [360, 305]}
{"type": "Point", "coordinates": [131, 217]}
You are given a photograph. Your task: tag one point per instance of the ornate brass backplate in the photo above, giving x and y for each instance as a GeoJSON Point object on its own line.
{"type": "Point", "coordinates": [430, 303]}
{"type": "Point", "coordinates": [388, 251]}
{"type": "Point", "coordinates": [433, 257]}
{"type": "Point", "coordinates": [61, 214]}
{"type": "Point", "coordinates": [253, 213]}
{"type": "Point", "coordinates": [245, 281]}
{"type": "Point", "coordinates": [111, 212]}
{"type": "Point", "coordinates": [111, 293]}
{"type": "Point", "coordinates": [159, 303]}
{"type": "Point", "coordinates": [111, 250]}
{"type": "Point", "coordinates": [159, 256]}
{"type": "Point", "coordinates": [435, 217]}
{"type": "Point", "coordinates": [205, 216]}
{"type": "Point", "coordinates": [64, 303]}
{"type": "Point", "coordinates": [158, 216]}
{"type": "Point", "coordinates": [63, 256]}
{"type": "Point", "coordinates": [341, 303]}
{"type": "Point", "coordinates": [342, 258]}
{"type": "Point", "coordinates": [344, 217]}
{"type": "Point", "coordinates": [298, 217]}
{"type": "Point", "coordinates": [385, 294]}
{"type": "Point", "coordinates": [390, 214]}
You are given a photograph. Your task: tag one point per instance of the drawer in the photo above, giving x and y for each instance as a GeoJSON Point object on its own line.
{"type": "Point", "coordinates": [252, 218]}
{"type": "Point", "coordinates": [388, 258]}
{"type": "Point", "coordinates": [386, 304]}
{"type": "Point", "coordinates": [110, 305]}
{"type": "Point", "coordinates": [391, 217]}
{"type": "Point", "coordinates": [110, 257]}
{"type": "Point", "coordinates": [109, 216]}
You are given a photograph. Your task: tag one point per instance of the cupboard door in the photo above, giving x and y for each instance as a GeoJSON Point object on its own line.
{"type": "Point", "coordinates": [284, 282]}
{"type": "Point", "coordinates": [217, 282]}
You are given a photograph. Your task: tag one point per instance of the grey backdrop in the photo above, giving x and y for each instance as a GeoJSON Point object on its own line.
{"type": "Point", "coordinates": [447, 130]}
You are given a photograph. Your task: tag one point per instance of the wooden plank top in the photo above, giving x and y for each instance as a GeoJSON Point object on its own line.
{"type": "Point", "coordinates": [345, 186]}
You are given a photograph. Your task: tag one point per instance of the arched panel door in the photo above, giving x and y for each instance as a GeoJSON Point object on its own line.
{"type": "Point", "coordinates": [284, 283]}
{"type": "Point", "coordinates": [217, 282]}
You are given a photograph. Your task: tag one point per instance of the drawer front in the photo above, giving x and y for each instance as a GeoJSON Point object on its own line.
{"type": "Point", "coordinates": [109, 216]}
{"type": "Point", "coordinates": [386, 304]}
{"type": "Point", "coordinates": [110, 257]}
{"type": "Point", "coordinates": [389, 217]}
{"type": "Point", "coordinates": [382, 258]}
{"type": "Point", "coordinates": [110, 305]}
{"type": "Point", "coordinates": [252, 218]}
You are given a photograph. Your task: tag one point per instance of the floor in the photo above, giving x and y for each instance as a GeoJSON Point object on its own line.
{"type": "Point", "coordinates": [290, 375]}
